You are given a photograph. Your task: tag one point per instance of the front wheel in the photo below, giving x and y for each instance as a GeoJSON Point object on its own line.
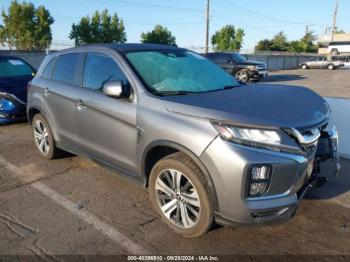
{"type": "Point", "coordinates": [331, 67]}
{"type": "Point", "coordinates": [242, 75]}
{"type": "Point", "coordinates": [178, 191]}
{"type": "Point", "coordinates": [304, 67]}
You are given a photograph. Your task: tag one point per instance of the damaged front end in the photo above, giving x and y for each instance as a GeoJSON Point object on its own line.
{"type": "Point", "coordinates": [11, 108]}
{"type": "Point", "coordinates": [325, 150]}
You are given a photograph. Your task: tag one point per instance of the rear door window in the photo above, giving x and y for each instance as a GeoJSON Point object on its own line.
{"type": "Point", "coordinates": [66, 69]}
{"type": "Point", "coordinates": [99, 69]}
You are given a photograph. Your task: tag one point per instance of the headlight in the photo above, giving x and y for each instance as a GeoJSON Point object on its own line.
{"type": "Point", "coordinates": [6, 104]}
{"type": "Point", "coordinates": [263, 138]}
{"type": "Point", "coordinates": [252, 67]}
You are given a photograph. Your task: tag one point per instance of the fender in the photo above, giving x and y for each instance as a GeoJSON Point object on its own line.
{"type": "Point", "coordinates": [189, 153]}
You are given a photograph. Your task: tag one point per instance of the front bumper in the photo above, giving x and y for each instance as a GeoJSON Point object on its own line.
{"type": "Point", "coordinates": [228, 164]}
{"type": "Point", "coordinates": [256, 75]}
{"type": "Point", "coordinates": [15, 112]}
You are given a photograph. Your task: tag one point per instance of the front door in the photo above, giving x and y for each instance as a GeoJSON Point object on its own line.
{"type": "Point", "coordinates": [106, 126]}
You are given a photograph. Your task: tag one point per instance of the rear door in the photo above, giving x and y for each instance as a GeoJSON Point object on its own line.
{"type": "Point", "coordinates": [60, 91]}
{"type": "Point", "coordinates": [106, 126]}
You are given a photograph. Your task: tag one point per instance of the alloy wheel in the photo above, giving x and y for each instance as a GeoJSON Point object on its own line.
{"type": "Point", "coordinates": [41, 137]}
{"type": "Point", "coordinates": [177, 198]}
{"type": "Point", "coordinates": [242, 76]}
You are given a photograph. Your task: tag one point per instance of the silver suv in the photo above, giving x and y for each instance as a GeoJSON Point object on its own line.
{"type": "Point", "coordinates": [207, 147]}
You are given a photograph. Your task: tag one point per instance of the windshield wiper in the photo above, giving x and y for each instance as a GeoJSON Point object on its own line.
{"type": "Point", "coordinates": [173, 93]}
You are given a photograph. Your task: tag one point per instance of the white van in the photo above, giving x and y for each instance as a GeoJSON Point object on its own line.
{"type": "Point", "coordinates": [339, 47]}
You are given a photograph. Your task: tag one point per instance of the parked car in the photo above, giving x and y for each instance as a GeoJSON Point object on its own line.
{"type": "Point", "coordinates": [345, 60]}
{"type": "Point", "coordinates": [238, 66]}
{"type": "Point", "coordinates": [322, 63]}
{"type": "Point", "coordinates": [15, 74]}
{"type": "Point", "coordinates": [339, 47]}
{"type": "Point", "coordinates": [207, 147]}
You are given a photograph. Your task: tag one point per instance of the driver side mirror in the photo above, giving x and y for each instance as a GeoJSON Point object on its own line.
{"type": "Point", "coordinates": [115, 89]}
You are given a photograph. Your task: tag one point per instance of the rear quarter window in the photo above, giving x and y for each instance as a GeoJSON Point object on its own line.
{"type": "Point", "coordinates": [47, 73]}
{"type": "Point", "coordinates": [66, 68]}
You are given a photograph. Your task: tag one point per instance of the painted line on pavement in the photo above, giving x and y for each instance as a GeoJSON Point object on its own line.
{"type": "Point", "coordinates": [107, 230]}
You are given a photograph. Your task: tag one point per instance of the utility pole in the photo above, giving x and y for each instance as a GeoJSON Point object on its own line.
{"type": "Point", "coordinates": [207, 28]}
{"type": "Point", "coordinates": [334, 27]}
{"type": "Point", "coordinates": [307, 29]}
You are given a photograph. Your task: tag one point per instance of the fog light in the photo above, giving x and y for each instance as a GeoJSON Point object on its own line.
{"type": "Point", "coordinates": [259, 180]}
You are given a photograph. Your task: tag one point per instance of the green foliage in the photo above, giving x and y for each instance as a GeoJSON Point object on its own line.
{"type": "Point", "coordinates": [339, 31]}
{"type": "Point", "coordinates": [159, 35]}
{"type": "Point", "coordinates": [280, 43]}
{"type": "Point", "coordinates": [100, 28]}
{"type": "Point", "coordinates": [228, 38]}
{"type": "Point", "coordinates": [26, 27]}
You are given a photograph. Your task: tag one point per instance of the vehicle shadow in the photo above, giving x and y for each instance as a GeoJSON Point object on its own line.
{"type": "Point", "coordinates": [282, 78]}
{"type": "Point", "coordinates": [336, 186]}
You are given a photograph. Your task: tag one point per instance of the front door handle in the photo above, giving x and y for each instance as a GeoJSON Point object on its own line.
{"type": "Point", "coordinates": [80, 104]}
{"type": "Point", "coordinates": [46, 91]}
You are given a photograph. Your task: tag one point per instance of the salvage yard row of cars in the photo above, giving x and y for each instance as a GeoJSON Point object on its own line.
{"type": "Point", "coordinates": [210, 149]}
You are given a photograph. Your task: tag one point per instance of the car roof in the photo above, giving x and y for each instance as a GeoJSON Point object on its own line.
{"type": "Point", "coordinates": [127, 47]}
{"type": "Point", "coordinates": [9, 57]}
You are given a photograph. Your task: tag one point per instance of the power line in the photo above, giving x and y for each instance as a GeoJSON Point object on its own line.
{"type": "Point", "coordinates": [147, 5]}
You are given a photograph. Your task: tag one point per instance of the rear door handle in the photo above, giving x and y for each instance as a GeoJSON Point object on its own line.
{"type": "Point", "coordinates": [80, 104]}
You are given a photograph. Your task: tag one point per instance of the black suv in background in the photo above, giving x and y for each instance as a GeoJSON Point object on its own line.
{"type": "Point", "coordinates": [239, 66]}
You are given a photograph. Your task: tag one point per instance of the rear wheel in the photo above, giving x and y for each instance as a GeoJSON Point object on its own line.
{"type": "Point", "coordinates": [304, 67]}
{"type": "Point", "coordinates": [43, 139]}
{"type": "Point", "coordinates": [242, 75]}
{"type": "Point", "coordinates": [178, 191]}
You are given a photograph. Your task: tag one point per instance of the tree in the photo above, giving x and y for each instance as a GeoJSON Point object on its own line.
{"type": "Point", "coordinates": [280, 43]}
{"type": "Point", "coordinates": [26, 27]}
{"type": "Point", "coordinates": [339, 31]}
{"type": "Point", "coordinates": [159, 35]}
{"type": "Point", "coordinates": [100, 28]}
{"type": "Point", "coordinates": [227, 38]}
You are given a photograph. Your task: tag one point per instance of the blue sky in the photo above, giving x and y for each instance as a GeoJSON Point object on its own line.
{"type": "Point", "coordinates": [186, 18]}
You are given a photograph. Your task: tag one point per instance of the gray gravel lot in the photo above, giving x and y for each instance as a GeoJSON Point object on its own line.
{"type": "Point", "coordinates": [45, 224]}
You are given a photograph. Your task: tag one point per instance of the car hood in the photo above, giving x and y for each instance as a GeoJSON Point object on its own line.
{"type": "Point", "coordinates": [255, 105]}
{"type": "Point", "coordinates": [250, 63]}
{"type": "Point", "coordinates": [16, 86]}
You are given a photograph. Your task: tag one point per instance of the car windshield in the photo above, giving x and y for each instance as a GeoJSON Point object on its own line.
{"type": "Point", "coordinates": [13, 67]}
{"type": "Point", "coordinates": [179, 72]}
{"type": "Point", "coordinates": [238, 57]}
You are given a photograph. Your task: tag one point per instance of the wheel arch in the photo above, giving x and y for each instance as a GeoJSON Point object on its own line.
{"type": "Point", "coordinates": [149, 159]}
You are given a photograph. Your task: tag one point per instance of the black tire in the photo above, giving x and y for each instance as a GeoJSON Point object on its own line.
{"type": "Point", "coordinates": [304, 66]}
{"type": "Point", "coordinates": [183, 164]}
{"type": "Point", "coordinates": [53, 151]}
{"type": "Point", "coordinates": [242, 75]}
{"type": "Point", "coordinates": [330, 67]}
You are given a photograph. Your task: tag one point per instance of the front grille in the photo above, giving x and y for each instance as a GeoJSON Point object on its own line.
{"type": "Point", "coordinates": [310, 150]}
{"type": "Point", "coordinates": [262, 67]}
